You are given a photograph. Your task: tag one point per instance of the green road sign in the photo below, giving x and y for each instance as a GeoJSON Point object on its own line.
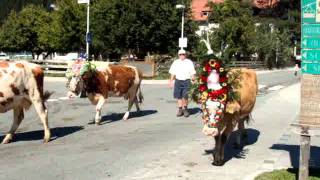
{"type": "Point", "coordinates": [308, 11]}
{"type": "Point", "coordinates": [310, 55]}
{"type": "Point", "coordinates": [310, 43]}
{"type": "Point", "coordinates": [310, 67]}
{"type": "Point", "coordinates": [309, 30]}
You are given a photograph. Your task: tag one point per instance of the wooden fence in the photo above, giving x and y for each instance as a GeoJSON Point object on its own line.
{"type": "Point", "coordinates": [53, 67]}
{"type": "Point", "coordinates": [248, 64]}
{"type": "Point", "coordinates": [58, 68]}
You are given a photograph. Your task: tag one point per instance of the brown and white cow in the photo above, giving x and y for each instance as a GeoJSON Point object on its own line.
{"type": "Point", "coordinates": [108, 80]}
{"type": "Point", "coordinates": [236, 113]}
{"type": "Point", "coordinates": [21, 85]}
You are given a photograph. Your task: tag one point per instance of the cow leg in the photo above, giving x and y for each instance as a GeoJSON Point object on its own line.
{"type": "Point", "coordinates": [242, 136]}
{"type": "Point", "coordinates": [18, 116]}
{"type": "Point", "coordinates": [99, 106]}
{"type": "Point", "coordinates": [136, 102]}
{"type": "Point", "coordinates": [238, 144]}
{"type": "Point", "coordinates": [130, 104]}
{"type": "Point", "coordinates": [43, 114]}
{"type": "Point", "coordinates": [218, 154]}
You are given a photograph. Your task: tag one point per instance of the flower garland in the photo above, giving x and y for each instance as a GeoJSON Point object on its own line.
{"type": "Point", "coordinates": [212, 101]}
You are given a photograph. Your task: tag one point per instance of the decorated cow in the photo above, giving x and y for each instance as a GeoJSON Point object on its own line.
{"type": "Point", "coordinates": [227, 98]}
{"type": "Point", "coordinates": [103, 80]}
{"type": "Point", "coordinates": [21, 85]}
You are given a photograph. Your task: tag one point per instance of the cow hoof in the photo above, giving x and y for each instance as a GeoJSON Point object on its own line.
{"type": "Point", "coordinates": [7, 139]}
{"type": "Point", "coordinates": [46, 140]}
{"type": "Point", "coordinates": [126, 116]}
{"type": "Point", "coordinates": [97, 121]}
{"type": "Point", "coordinates": [217, 163]}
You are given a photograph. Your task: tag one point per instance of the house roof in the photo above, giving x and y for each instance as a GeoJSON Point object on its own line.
{"type": "Point", "coordinates": [200, 6]}
{"type": "Point", "coordinates": [264, 4]}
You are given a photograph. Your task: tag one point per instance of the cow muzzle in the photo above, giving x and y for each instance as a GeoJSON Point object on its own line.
{"type": "Point", "coordinates": [71, 94]}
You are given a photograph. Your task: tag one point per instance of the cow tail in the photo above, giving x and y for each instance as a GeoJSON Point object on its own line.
{"type": "Point", "coordinates": [46, 95]}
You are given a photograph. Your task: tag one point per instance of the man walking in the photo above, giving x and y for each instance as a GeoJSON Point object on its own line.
{"type": "Point", "coordinates": [182, 70]}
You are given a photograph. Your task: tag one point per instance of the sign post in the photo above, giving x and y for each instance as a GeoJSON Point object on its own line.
{"type": "Point", "coordinates": [88, 23]}
{"type": "Point", "coordinates": [310, 66]}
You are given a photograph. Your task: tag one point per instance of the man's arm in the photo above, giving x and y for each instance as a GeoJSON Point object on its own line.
{"type": "Point", "coordinates": [172, 74]}
{"type": "Point", "coordinates": [172, 77]}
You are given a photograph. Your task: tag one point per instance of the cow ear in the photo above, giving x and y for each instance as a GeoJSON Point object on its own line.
{"type": "Point", "coordinates": [232, 107]}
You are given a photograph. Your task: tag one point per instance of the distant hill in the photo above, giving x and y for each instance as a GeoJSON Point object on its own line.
{"type": "Point", "coordinates": [6, 6]}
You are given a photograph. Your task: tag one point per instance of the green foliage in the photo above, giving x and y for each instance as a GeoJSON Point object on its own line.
{"type": "Point", "coordinates": [70, 23]}
{"type": "Point", "coordinates": [273, 47]}
{"type": "Point", "coordinates": [236, 33]}
{"type": "Point", "coordinates": [27, 31]}
{"type": "Point", "coordinates": [6, 6]}
{"type": "Point", "coordinates": [199, 52]}
{"type": "Point", "coordinates": [140, 26]}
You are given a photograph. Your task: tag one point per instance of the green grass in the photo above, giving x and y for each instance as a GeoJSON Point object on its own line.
{"type": "Point", "coordinates": [288, 174]}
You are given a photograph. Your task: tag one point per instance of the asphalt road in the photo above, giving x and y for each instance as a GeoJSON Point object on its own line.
{"type": "Point", "coordinates": [114, 150]}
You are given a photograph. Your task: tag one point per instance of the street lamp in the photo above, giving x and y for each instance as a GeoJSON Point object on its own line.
{"type": "Point", "coordinates": [88, 35]}
{"type": "Point", "coordinates": [181, 6]}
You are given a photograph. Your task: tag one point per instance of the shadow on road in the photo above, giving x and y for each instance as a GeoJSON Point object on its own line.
{"type": "Point", "coordinates": [232, 152]}
{"type": "Point", "coordinates": [294, 151]}
{"type": "Point", "coordinates": [56, 133]}
{"type": "Point", "coordinates": [194, 111]}
{"type": "Point", "coordinates": [118, 116]}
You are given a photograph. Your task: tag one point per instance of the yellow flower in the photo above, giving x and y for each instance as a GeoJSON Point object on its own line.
{"type": "Point", "coordinates": [223, 97]}
{"type": "Point", "coordinates": [212, 62]}
{"type": "Point", "coordinates": [224, 84]}
{"type": "Point", "coordinates": [204, 69]}
{"type": "Point", "coordinates": [205, 94]}
{"type": "Point", "coordinates": [221, 70]}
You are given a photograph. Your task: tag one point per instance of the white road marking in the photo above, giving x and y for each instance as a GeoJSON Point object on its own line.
{"type": "Point", "coordinates": [261, 86]}
{"type": "Point", "coordinates": [63, 98]}
{"type": "Point", "coordinates": [52, 100]}
{"type": "Point", "coordinates": [275, 88]}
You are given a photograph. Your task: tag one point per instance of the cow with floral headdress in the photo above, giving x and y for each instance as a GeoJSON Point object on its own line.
{"type": "Point", "coordinates": [104, 81]}
{"type": "Point", "coordinates": [227, 98]}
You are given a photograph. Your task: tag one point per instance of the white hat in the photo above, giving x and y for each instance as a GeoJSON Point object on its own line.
{"type": "Point", "coordinates": [181, 51]}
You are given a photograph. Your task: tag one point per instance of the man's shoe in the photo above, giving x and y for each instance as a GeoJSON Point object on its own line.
{"type": "Point", "coordinates": [180, 113]}
{"type": "Point", "coordinates": [186, 113]}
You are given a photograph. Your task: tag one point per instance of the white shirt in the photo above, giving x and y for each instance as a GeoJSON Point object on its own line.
{"type": "Point", "coordinates": [182, 69]}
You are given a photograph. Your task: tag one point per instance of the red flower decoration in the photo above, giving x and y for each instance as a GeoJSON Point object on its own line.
{"type": "Point", "coordinates": [208, 68]}
{"type": "Point", "coordinates": [203, 78]}
{"type": "Point", "coordinates": [217, 66]}
{"type": "Point", "coordinates": [213, 95]}
{"type": "Point", "coordinates": [202, 88]}
{"type": "Point", "coordinates": [222, 79]}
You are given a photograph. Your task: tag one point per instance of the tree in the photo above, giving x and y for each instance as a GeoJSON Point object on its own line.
{"type": "Point", "coordinates": [273, 47]}
{"type": "Point", "coordinates": [141, 26]}
{"type": "Point", "coordinates": [6, 6]}
{"type": "Point", "coordinates": [236, 33]}
{"type": "Point", "coordinates": [70, 24]}
{"type": "Point", "coordinates": [25, 31]}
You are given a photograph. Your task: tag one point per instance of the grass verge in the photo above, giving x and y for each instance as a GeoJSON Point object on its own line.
{"type": "Point", "coordinates": [288, 174]}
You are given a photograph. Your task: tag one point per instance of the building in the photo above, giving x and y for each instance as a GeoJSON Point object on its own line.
{"type": "Point", "coordinates": [200, 9]}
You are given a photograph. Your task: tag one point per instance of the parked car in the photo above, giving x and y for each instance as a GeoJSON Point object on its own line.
{"type": "Point", "coordinates": [4, 56]}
